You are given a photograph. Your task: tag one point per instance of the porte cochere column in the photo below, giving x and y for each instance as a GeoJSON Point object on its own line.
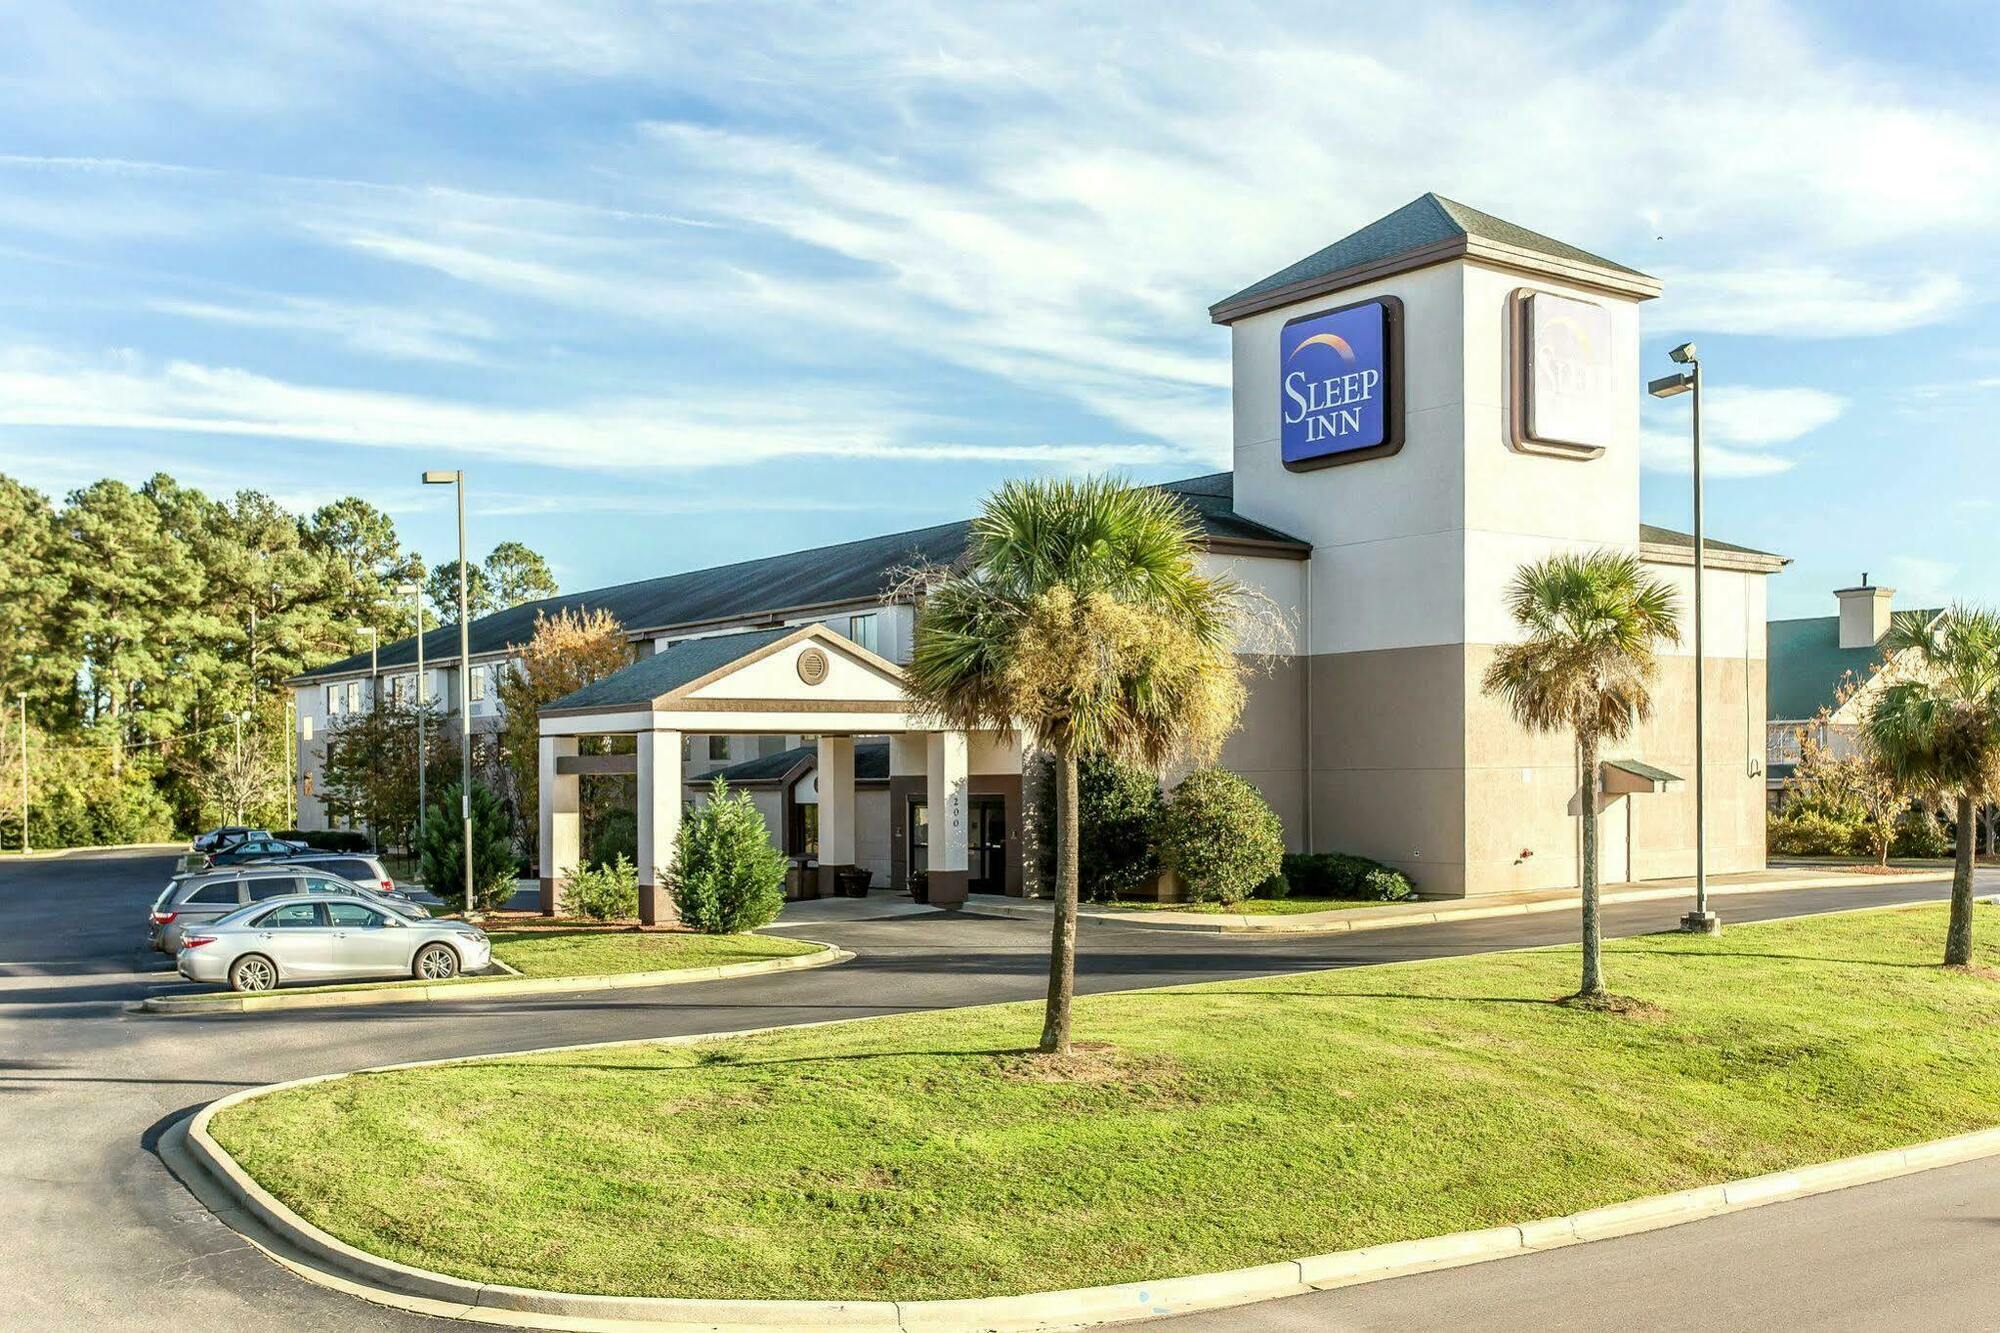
{"type": "Point", "coordinates": [560, 813]}
{"type": "Point", "coordinates": [659, 779]}
{"type": "Point", "coordinates": [945, 802]}
{"type": "Point", "coordinates": [835, 780]}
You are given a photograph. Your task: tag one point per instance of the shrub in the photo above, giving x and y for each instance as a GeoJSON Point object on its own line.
{"type": "Point", "coordinates": [1919, 833]}
{"type": "Point", "coordinates": [615, 834]}
{"type": "Point", "coordinates": [1220, 836]}
{"type": "Point", "coordinates": [1339, 875]}
{"type": "Point", "coordinates": [1277, 886]}
{"type": "Point", "coordinates": [726, 876]}
{"type": "Point", "coordinates": [602, 892]}
{"type": "Point", "coordinates": [1117, 807]}
{"type": "Point", "coordinates": [1811, 833]}
{"type": "Point", "coordinates": [441, 858]}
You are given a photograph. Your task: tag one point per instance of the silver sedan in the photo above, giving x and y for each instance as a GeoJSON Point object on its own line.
{"type": "Point", "coordinates": [317, 938]}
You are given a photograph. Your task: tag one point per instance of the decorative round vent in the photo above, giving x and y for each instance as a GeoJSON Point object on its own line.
{"type": "Point", "coordinates": [812, 666]}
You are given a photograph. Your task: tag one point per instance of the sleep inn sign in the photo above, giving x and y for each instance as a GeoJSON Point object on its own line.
{"type": "Point", "coordinates": [1339, 398]}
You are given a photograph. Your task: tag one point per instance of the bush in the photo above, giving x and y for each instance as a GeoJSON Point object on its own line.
{"type": "Point", "coordinates": [441, 858]}
{"type": "Point", "coordinates": [726, 876]}
{"type": "Point", "coordinates": [1810, 833]}
{"type": "Point", "coordinates": [602, 892]}
{"type": "Point", "coordinates": [1919, 833]}
{"type": "Point", "coordinates": [1218, 834]}
{"type": "Point", "coordinates": [1277, 886]}
{"type": "Point", "coordinates": [1117, 807]}
{"type": "Point", "coordinates": [1339, 875]}
{"type": "Point", "coordinates": [615, 834]}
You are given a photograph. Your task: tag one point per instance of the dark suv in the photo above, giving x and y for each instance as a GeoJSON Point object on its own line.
{"type": "Point", "coordinates": [208, 895]}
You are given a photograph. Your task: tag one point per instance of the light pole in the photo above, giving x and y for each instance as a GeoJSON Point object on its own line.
{"type": "Point", "coordinates": [374, 660]}
{"type": "Point", "coordinates": [1700, 920]}
{"type": "Point", "coordinates": [237, 718]}
{"type": "Point", "coordinates": [24, 774]}
{"type": "Point", "coordinates": [415, 592]}
{"type": "Point", "coordinates": [457, 478]}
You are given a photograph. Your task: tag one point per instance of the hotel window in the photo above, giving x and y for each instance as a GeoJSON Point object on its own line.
{"type": "Point", "coordinates": [353, 696]}
{"type": "Point", "coordinates": [718, 749]}
{"type": "Point", "coordinates": [478, 679]}
{"type": "Point", "coordinates": [862, 631]}
{"type": "Point", "coordinates": [333, 697]}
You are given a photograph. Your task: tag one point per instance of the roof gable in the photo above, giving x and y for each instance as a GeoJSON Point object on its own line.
{"type": "Point", "coordinates": [754, 665]}
{"type": "Point", "coordinates": [1427, 230]}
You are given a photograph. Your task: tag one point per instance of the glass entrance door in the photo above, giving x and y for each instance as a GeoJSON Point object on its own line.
{"type": "Point", "coordinates": [987, 854]}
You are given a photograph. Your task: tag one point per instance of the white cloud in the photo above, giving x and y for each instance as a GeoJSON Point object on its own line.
{"type": "Point", "coordinates": [1741, 428]}
{"type": "Point", "coordinates": [1806, 302]}
{"type": "Point", "coordinates": [388, 331]}
{"type": "Point", "coordinates": [709, 428]}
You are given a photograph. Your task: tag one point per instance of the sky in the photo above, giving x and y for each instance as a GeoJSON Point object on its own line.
{"type": "Point", "coordinates": [682, 284]}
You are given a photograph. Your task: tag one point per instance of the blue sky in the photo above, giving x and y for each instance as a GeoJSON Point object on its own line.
{"type": "Point", "coordinates": [683, 284]}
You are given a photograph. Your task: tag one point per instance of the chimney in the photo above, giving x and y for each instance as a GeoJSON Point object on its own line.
{"type": "Point", "coordinates": [1864, 614]}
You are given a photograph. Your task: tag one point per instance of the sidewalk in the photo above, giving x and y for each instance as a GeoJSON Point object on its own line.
{"type": "Point", "coordinates": [1347, 919]}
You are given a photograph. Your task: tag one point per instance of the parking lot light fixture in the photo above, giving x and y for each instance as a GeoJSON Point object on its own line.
{"type": "Point", "coordinates": [456, 478]}
{"type": "Point", "coordinates": [1700, 920]}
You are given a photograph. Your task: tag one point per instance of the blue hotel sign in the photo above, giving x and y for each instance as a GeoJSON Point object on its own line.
{"type": "Point", "coordinates": [1339, 390]}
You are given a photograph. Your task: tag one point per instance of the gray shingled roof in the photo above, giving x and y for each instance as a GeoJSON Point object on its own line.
{"type": "Point", "coordinates": [848, 572]}
{"type": "Point", "coordinates": [871, 764]}
{"type": "Point", "coordinates": [669, 669]}
{"type": "Point", "coordinates": [1658, 536]}
{"type": "Point", "coordinates": [1427, 220]}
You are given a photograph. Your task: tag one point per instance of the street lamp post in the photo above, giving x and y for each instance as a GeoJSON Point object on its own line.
{"type": "Point", "coordinates": [1701, 920]}
{"type": "Point", "coordinates": [237, 718]}
{"type": "Point", "coordinates": [24, 774]}
{"type": "Point", "coordinates": [457, 478]}
{"type": "Point", "coordinates": [415, 592]}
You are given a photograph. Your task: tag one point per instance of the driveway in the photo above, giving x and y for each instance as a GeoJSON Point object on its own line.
{"type": "Point", "coordinates": [98, 1233]}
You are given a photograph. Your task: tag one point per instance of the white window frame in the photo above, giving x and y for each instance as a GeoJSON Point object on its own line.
{"type": "Point", "coordinates": [865, 631]}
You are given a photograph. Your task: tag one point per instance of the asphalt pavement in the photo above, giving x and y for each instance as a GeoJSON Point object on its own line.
{"type": "Point", "coordinates": [96, 1232]}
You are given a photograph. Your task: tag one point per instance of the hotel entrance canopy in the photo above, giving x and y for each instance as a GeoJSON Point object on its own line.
{"type": "Point", "coordinates": [780, 681]}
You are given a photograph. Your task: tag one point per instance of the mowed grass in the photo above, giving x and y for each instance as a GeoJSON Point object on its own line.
{"type": "Point", "coordinates": [582, 953]}
{"type": "Point", "coordinates": [1217, 1126]}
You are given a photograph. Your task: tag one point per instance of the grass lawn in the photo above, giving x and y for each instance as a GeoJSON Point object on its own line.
{"type": "Point", "coordinates": [1208, 1127]}
{"type": "Point", "coordinates": [1254, 906]}
{"type": "Point", "coordinates": [596, 953]}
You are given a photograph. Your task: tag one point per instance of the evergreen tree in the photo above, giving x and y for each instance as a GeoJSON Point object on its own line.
{"type": "Point", "coordinates": [726, 876]}
{"type": "Point", "coordinates": [441, 855]}
{"type": "Point", "coordinates": [517, 574]}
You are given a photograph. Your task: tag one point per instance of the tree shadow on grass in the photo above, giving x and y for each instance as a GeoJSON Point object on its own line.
{"type": "Point", "coordinates": [724, 1060]}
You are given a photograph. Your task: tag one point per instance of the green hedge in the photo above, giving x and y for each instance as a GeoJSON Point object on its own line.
{"type": "Point", "coordinates": [1338, 875]}
{"type": "Point", "coordinates": [1220, 836]}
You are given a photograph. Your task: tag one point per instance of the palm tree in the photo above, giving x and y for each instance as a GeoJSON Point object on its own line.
{"type": "Point", "coordinates": [1081, 614]}
{"type": "Point", "coordinates": [1940, 727]}
{"type": "Point", "coordinates": [1587, 667]}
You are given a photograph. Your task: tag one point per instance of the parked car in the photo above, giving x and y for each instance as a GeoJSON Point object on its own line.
{"type": "Point", "coordinates": [264, 848]}
{"type": "Point", "coordinates": [357, 868]}
{"type": "Point", "coordinates": [203, 896]}
{"type": "Point", "coordinates": [217, 838]}
{"type": "Point", "coordinates": [319, 937]}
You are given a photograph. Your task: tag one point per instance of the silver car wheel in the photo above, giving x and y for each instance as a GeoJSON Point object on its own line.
{"type": "Point", "coordinates": [253, 972]}
{"type": "Point", "coordinates": [437, 962]}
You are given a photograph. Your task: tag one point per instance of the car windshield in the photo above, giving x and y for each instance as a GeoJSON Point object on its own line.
{"type": "Point", "coordinates": [241, 914]}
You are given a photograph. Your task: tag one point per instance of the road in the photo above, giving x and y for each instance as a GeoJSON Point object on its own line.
{"type": "Point", "coordinates": [97, 1233]}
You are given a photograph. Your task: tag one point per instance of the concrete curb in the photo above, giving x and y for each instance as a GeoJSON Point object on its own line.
{"type": "Point", "coordinates": [266, 1001]}
{"type": "Point", "coordinates": [1342, 921]}
{"type": "Point", "coordinates": [321, 1258]}
{"type": "Point", "coordinates": [57, 853]}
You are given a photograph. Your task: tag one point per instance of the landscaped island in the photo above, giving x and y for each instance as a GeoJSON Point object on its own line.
{"type": "Point", "coordinates": [1195, 1129]}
